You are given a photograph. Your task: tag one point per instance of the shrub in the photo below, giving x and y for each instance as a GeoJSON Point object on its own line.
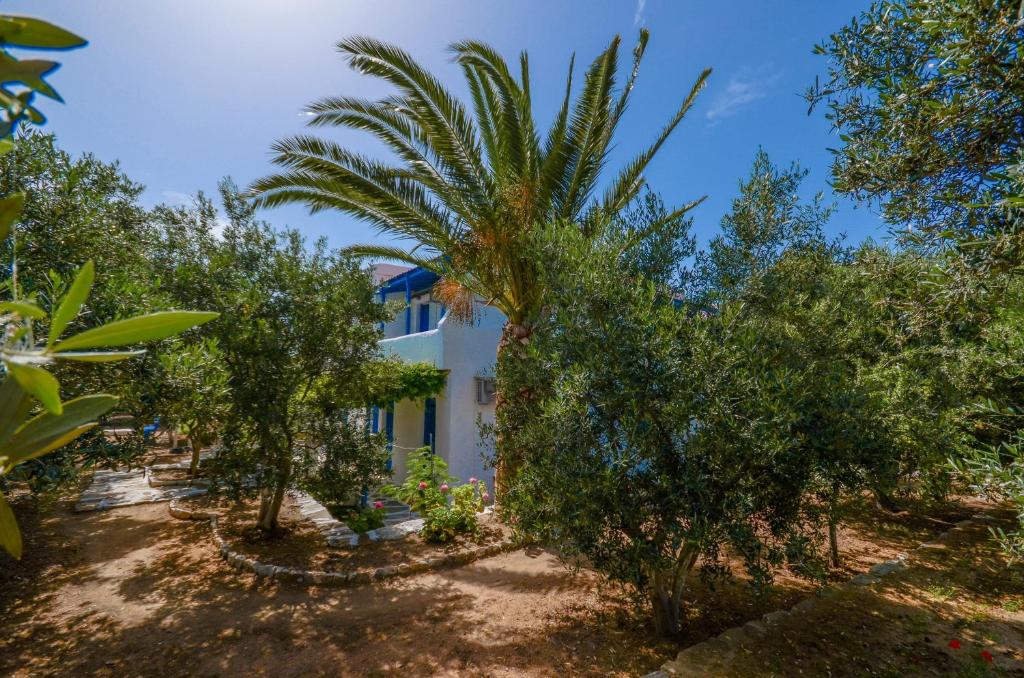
{"type": "Point", "coordinates": [362, 521]}
{"type": "Point", "coordinates": [457, 515]}
{"type": "Point", "coordinates": [426, 474]}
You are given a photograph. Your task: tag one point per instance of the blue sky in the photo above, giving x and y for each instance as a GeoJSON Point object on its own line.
{"type": "Point", "coordinates": [183, 92]}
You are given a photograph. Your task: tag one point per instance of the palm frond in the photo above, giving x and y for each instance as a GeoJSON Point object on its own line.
{"type": "Point", "coordinates": [630, 180]}
{"type": "Point", "coordinates": [587, 143]}
{"type": "Point", "coordinates": [377, 252]}
{"type": "Point", "coordinates": [443, 120]}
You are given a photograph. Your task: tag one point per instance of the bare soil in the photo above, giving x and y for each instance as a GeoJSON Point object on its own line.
{"type": "Point", "coordinates": [936, 618]}
{"type": "Point", "coordinates": [132, 592]}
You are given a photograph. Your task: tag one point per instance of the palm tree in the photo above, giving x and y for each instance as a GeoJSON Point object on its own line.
{"type": "Point", "coordinates": [470, 188]}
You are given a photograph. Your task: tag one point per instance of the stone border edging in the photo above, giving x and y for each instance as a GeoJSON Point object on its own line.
{"type": "Point", "coordinates": [759, 628]}
{"type": "Point", "coordinates": [320, 578]}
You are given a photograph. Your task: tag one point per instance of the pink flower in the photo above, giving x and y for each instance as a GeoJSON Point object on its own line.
{"type": "Point", "coordinates": [987, 656]}
{"type": "Point", "coordinates": [472, 481]}
{"type": "Point", "coordinates": [443, 488]}
{"type": "Point", "coordinates": [955, 644]}
{"type": "Point", "coordinates": [378, 504]}
{"type": "Point", "coordinates": [486, 496]}
{"type": "Point", "coordinates": [423, 485]}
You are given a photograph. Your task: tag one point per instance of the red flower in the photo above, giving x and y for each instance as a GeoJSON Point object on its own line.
{"type": "Point", "coordinates": [987, 656]}
{"type": "Point", "coordinates": [955, 644]}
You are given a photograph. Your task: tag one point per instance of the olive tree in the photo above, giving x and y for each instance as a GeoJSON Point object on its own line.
{"type": "Point", "coordinates": [299, 328]}
{"type": "Point", "coordinates": [663, 437]}
{"type": "Point", "coordinates": [927, 98]}
{"type": "Point", "coordinates": [34, 419]}
{"type": "Point", "coordinates": [195, 393]}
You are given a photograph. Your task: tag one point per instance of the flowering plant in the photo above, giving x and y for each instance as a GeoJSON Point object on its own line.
{"type": "Point", "coordinates": [425, 483]}
{"type": "Point", "coordinates": [447, 521]}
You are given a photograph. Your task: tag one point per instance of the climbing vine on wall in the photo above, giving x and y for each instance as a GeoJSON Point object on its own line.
{"type": "Point", "coordinates": [393, 380]}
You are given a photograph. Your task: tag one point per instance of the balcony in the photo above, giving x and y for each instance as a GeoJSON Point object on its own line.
{"type": "Point", "coordinates": [425, 347]}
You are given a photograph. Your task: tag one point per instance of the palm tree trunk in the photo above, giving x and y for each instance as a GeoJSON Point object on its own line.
{"type": "Point", "coordinates": [510, 410]}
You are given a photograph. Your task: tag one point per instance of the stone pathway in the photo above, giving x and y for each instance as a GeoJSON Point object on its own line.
{"type": "Point", "coordinates": [399, 521]}
{"type": "Point", "coordinates": [125, 488]}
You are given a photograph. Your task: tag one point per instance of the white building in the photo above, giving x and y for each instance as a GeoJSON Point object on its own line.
{"type": "Point", "coordinates": [450, 423]}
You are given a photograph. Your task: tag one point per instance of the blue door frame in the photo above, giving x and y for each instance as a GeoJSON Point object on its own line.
{"type": "Point", "coordinates": [423, 318]}
{"type": "Point", "coordinates": [430, 423]}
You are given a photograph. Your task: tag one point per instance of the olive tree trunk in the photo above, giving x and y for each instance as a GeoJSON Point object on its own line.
{"type": "Point", "coordinates": [271, 498]}
{"type": "Point", "coordinates": [197, 447]}
{"type": "Point", "coordinates": [833, 541]}
{"type": "Point", "coordinates": [667, 587]}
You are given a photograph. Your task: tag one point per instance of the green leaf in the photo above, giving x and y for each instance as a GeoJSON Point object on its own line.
{"type": "Point", "coordinates": [23, 31]}
{"type": "Point", "coordinates": [98, 356]}
{"type": "Point", "coordinates": [14, 407]}
{"type": "Point", "coordinates": [6, 146]}
{"type": "Point", "coordinates": [10, 208]}
{"type": "Point", "coordinates": [23, 308]}
{"type": "Point", "coordinates": [134, 330]}
{"type": "Point", "coordinates": [72, 302]}
{"type": "Point", "coordinates": [49, 445]}
{"type": "Point", "coordinates": [28, 72]}
{"type": "Point", "coordinates": [10, 536]}
{"type": "Point", "coordinates": [47, 431]}
{"type": "Point", "coordinates": [38, 382]}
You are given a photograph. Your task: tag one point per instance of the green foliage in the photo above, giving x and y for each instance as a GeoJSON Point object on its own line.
{"type": "Point", "coordinates": [663, 436]}
{"type": "Point", "coordinates": [927, 98]}
{"type": "Point", "coordinates": [425, 474]}
{"type": "Point", "coordinates": [346, 459]}
{"type": "Point", "coordinates": [997, 473]}
{"type": "Point", "coordinates": [196, 395]}
{"type": "Point", "coordinates": [299, 331]}
{"type": "Point", "coordinates": [16, 104]}
{"type": "Point", "coordinates": [766, 220]}
{"type": "Point", "coordinates": [457, 516]}
{"type": "Point", "coordinates": [23, 438]}
{"type": "Point", "coordinates": [448, 511]}
{"type": "Point", "coordinates": [362, 521]}
{"type": "Point", "coordinates": [390, 381]}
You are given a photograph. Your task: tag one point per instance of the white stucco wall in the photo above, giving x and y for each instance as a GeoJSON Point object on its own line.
{"type": "Point", "coordinates": [408, 435]}
{"type": "Point", "coordinates": [465, 350]}
{"type": "Point", "coordinates": [470, 349]}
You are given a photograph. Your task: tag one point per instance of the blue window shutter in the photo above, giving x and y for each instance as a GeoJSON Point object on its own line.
{"type": "Point", "coordinates": [374, 419]}
{"type": "Point", "coordinates": [424, 317]}
{"type": "Point", "coordinates": [429, 422]}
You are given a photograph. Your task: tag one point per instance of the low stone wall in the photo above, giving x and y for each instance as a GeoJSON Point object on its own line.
{"type": "Point", "coordinates": [686, 662]}
{"type": "Point", "coordinates": [320, 578]}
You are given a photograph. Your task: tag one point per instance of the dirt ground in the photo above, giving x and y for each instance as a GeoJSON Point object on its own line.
{"type": "Point", "coordinates": [131, 592]}
{"type": "Point", "coordinates": [957, 610]}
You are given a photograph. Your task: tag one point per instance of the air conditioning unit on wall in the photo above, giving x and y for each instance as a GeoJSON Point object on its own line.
{"type": "Point", "coordinates": [485, 390]}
